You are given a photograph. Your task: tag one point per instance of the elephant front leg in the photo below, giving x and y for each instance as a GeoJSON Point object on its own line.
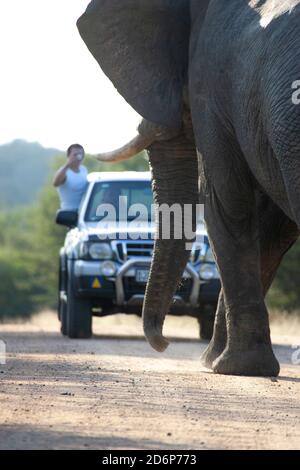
{"type": "Point", "coordinates": [277, 233]}
{"type": "Point", "coordinates": [235, 241]}
{"type": "Point", "coordinates": [232, 221]}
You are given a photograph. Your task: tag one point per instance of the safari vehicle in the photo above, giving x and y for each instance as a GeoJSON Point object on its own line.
{"type": "Point", "coordinates": [104, 264]}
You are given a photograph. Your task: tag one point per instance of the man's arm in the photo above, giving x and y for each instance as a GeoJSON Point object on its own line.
{"type": "Point", "coordinates": [60, 176]}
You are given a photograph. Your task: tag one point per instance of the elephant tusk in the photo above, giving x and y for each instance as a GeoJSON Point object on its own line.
{"type": "Point", "coordinates": [131, 149]}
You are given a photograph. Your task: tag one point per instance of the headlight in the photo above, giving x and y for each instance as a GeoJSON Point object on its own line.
{"type": "Point", "coordinates": [108, 268]}
{"type": "Point", "coordinates": [209, 257]}
{"type": "Point", "coordinates": [208, 272]}
{"type": "Point", "coordinates": [100, 251]}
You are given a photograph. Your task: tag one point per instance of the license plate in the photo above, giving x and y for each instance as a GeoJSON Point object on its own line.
{"type": "Point", "coordinates": [142, 275]}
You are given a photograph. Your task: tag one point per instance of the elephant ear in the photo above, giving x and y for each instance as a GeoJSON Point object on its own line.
{"type": "Point", "coordinates": [142, 46]}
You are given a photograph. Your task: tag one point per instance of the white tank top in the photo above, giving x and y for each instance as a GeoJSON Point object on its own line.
{"type": "Point", "coordinates": [72, 190]}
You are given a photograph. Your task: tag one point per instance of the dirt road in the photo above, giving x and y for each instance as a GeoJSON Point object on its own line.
{"type": "Point", "coordinates": [114, 392]}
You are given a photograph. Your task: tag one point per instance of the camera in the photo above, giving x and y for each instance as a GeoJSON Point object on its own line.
{"type": "Point", "coordinates": [79, 156]}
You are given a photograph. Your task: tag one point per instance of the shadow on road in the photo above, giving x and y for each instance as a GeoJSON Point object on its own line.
{"type": "Point", "coordinates": [39, 437]}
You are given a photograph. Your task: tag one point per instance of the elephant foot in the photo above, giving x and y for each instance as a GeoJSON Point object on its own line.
{"type": "Point", "coordinates": [260, 362]}
{"type": "Point", "coordinates": [211, 353]}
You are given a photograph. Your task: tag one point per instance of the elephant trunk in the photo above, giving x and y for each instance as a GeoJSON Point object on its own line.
{"type": "Point", "coordinates": [175, 185]}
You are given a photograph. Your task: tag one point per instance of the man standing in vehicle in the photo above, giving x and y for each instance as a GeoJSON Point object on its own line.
{"type": "Point", "coordinates": [71, 179]}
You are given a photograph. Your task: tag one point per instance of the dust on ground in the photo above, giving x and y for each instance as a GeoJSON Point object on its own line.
{"type": "Point", "coordinates": [114, 392]}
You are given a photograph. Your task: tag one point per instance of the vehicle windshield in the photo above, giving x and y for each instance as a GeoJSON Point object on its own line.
{"type": "Point", "coordinates": [136, 201]}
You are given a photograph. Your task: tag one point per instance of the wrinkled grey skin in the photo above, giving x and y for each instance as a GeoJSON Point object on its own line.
{"type": "Point", "coordinates": [214, 79]}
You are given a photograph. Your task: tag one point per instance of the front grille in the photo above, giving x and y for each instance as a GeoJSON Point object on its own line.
{"type": "Point", "coordinates": [129, 249]}
{"type": "Point", "coordinates": [139, 249]}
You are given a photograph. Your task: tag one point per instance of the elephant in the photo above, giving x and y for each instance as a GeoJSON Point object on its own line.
{"type": "Point", "coordinates": [213, 81]}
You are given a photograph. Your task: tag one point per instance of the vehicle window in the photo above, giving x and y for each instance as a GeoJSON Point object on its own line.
{"type": "Point", "coordinates": [136, 192]}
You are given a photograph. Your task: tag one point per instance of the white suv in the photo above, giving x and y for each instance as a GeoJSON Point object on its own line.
{"type": "Point", "coordinates": [105, 261]}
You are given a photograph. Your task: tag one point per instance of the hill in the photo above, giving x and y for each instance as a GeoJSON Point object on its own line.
{"type": "Point", "coordinates": [24, 170]}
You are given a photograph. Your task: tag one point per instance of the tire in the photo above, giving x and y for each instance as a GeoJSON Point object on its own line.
{"type": "Point", "coordinates": [62, 306]}
{"type": "Point", "coordinates": [206, 322]}
{"type": "Point", "coordinates": [58, 293]}
{"type": "Point", "coordinates": [63, 317]}
{"type": "Point", "coordinates": [78, 313]}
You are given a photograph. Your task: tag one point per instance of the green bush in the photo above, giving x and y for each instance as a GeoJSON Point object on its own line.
{"type": "Point", "coordinates": [18, 286]}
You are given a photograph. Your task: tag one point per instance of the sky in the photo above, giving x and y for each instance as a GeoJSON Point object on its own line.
{"type": "Point", "coordinates": [52, 90]}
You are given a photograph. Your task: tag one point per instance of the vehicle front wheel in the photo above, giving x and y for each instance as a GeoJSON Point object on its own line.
{"type": "Point", "coordinates": [63, 317]}
{"type": "Point", "coordinates": [79, 314]}
{"type": "Point", "coordinates": [62, 305]}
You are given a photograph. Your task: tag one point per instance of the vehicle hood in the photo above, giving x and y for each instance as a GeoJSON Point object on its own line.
{"type": "Point", "coordinates": [126, 230]}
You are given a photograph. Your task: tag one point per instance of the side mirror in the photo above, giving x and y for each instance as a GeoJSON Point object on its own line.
{"type": "Point", "coordinates": [67, 218]}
